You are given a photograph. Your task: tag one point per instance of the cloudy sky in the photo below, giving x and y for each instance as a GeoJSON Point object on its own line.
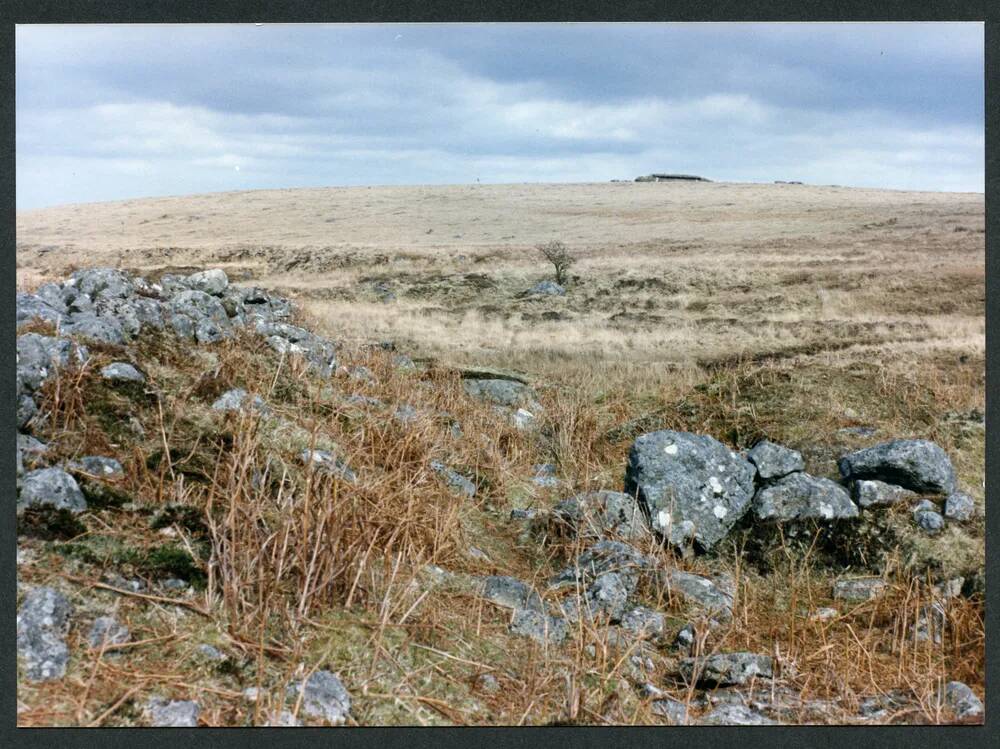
{"type": "Point", "coordinates": [112, 112]}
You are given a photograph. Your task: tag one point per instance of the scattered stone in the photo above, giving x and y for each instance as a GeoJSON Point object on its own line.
{"type": "Point", "coordinates": [605, 556]}
{"type": "Point", "coordinates": [476, 553]}
{"type": "Point", "coordinates": [735, 715]}
{"type": "Point", "coordinates": [92, 327]}
{"type": "Point", "coordinates": [543, 629]}
{"type": "Point", "coordinates": [502, 392]}
{"type": "Point", "coordinates": [685, 638]}
{"type": "Point", "coordinates": [455, 481]}
{"type": "Point", "coordinates": [523, 419]}
{"type": "Point", "coordinates": [100, 466]}
{"type": "Point", "coordinates": [545, 475]}
{"type": "Point", "coordinates": [859, 589]}
{"type": "Point", "coordinates": [881, 706]}
{"type": "Point", "coordinates": [122, 372]}
{"type": "Point", "coordinates": [873, 493]}
{"type": "Point", "coordinates": [930, 623]}
{"type": "Point", "coordinates": [601, 513]}
{"type": "Point", "coordinates": [727, 669]}
{"type": "Point", "coordinates": [713, 598]}
{"type": "Point", "coordinates": [606, 597]}
{"type": "Point", "coordinates": [487, 683]}
{"type": "Point", "coordinates": [402, 361]}
{"type": "Point", "coordinates": [511, 593]}
{"type": "Point", "coordinates": [919, 465]}
{"type": "Point", "coordinates": [42, 623]}
{"type": "Point", "coordinates": [929, 521]}
{"type": "Point", "coordinates": [406, 414]}
{"type": "Point", "coordinates": [284, 719]}
{"type": "Point", "coordinates": [774, 461]}
{"type": "Point", "coordinates": [675, 711]}
{"type": "Point", "coordinates": [644, 623]}
{"type": "Point", "coordinates": [520, 514]}
{"type": "Point", "coordinates": [173, 714]}
{"type": "Point", "coordinates": [546, 288]}
{"type": "Point", "coordinates": [689, 484]}
{"type": "Point", "coordinates": [327, 462]}
{"type": "Point", "coordinates": [324, 696]}
{"type": "Point", "coordinates": [962, 701]}
{"type": "Point", "coordinates": [824, 614]}
{"type": "Point", "coordinates": [800, 496]}
{"type": "Point", "coordinates": [107, 631]}
{"type": "Point", "coordinates": [959, 506]}
{"type": "Point", "coordinates": [239, 399]}
{"type": "Point", "coordinates": [51, 487]}
{"type": "Point", "coordinates": [212, 282]}
{"type": "Point", "coordinates": [212, 653]}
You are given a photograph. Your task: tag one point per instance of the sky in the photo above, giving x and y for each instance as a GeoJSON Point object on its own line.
{"type": "Point", "coordinates": [110, 112]}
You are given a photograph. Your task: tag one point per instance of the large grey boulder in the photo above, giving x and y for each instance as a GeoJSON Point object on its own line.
{"type": "Point", "coordinates": [39, 357]}
{"type": "Point", "coordinates": [103, 283]}
{"type": "Point", "coordinates": [42, 622]}
{"type": "Point", "coordinates": [91, 326]}
{"type": "Point", "coordinates": [800, 496]}
{"type": "Point", "coordinates": [874, 493]}
{"type": "Point", "coordinates": [919, 465]}
{"type": "Point", "coordinates": [51, 487]}
{"type": "Point", "coordinates": [195, 314]}
{"type": "Point", "coordinates": [601, 513]}
{"type": "Point", "coordinates": [727, 669]}
{"type": "Point", "coordinates": [212, 282]}
{"type": "Point", "coordinates": [324, 696]}
{"type": "Point", "coordinates": [774, 461]}
{"type": "Point", "coordinates": [30, 307]}
{"type": "Point", "coordinates": [691, 485]}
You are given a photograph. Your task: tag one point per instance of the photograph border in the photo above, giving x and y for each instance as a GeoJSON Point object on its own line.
{"type": "Point", "coordinates": [284, 11]}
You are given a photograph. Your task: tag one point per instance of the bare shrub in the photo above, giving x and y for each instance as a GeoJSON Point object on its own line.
{"type": "Point", "coordinates": [557, 254]}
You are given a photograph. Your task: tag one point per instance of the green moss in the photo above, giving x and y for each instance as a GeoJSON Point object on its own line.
{"type": "Point", "coordinates": [49, 524]}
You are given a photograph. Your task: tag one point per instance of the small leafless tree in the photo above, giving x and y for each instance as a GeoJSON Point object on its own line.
{"type": "Point", "coordinates": [557, 254]}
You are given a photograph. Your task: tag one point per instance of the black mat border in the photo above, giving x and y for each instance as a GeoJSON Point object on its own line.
{"type": "Point", "coordinates": [222, 11]}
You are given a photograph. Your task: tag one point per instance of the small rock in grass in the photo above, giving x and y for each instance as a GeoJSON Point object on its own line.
{"type": "Point", "coordinates": [774, 461]}
{"type": "Point", "coordinates": [929, 521]}
{"type": "Point", "coordinates": [727, 669]}
{"type": "Point", "coordinates": [324, 696]}
{"type": "Point", "coordinates": [859, 589]}
{"type": "Point", "coordinates": [122, 372]}
{"type": "Point", "coordinates": [101, 466]}
{"type": "Point", "coordinates": [962, 701]}
{"type": "Point", "coordinates": [959, 506]}
{"type": "Point", "coordinates": [735, 715]}
{"type": "Point", "coordinates": [172, 714]}
{"type": "Point", "coordinates": [874, 493]}
{"type": "Point", "coordinates": [543, 629]}
{"type": "Point", "coordinates": [51, 487]}
{"type": "Point", "coordinates": [106, 631]}
{"type": "Point", "coordinates": [42, 622]}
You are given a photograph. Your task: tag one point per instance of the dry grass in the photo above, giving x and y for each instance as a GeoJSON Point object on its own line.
{"type": "Point", "coordinates": [733, 310]}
